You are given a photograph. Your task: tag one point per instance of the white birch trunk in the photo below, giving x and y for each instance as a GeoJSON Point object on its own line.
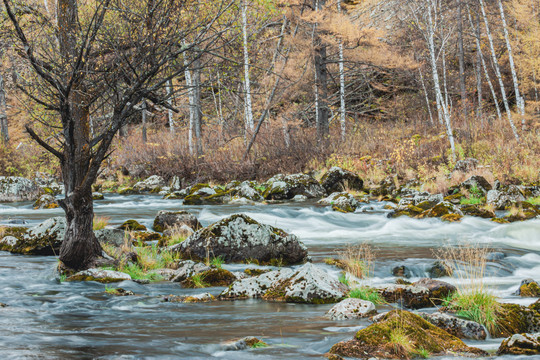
{"type": "Point", "coordinates": [169, 111]}
{"type": "Point", "coordinates": [498, 71]}
{"type": "Point", "coordinates": [187, 74]}
{"type": "Point", "coordinates": [4, 133]}
{"type": "Point", "coordinates": [341, 84]}
{"type": "Point", "coordinates": [247, 84]}
{"type": "Point", "coordinates": [519, 100]}
{"type": "Point", "coordinates": [144, 135]}
{"type": "Point", "coordinates": [442, 108]}
{"type": "Point", "coordinates": [426, 95]}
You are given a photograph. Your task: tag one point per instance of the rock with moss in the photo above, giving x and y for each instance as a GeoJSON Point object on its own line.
{"type": "Point", "coordinates": [153, 184]}
{"type": "Point", "coordinates": [308, 284]}
{"type": "Point", "coordinates": [452, 217]}
{"type": "Point", "coordinates": [204, 194]}
{"type": "Point", "coordinates": [128, 190]}
{"type": "Point", "coordinates": [438, 290]}
{"type": "Point", "coordinates": [255, 272]}
{"type": "Point", "coordinates": [197, 298]}
{"type": "Point", "coordinates": [515, 319]}
{"type": "Point", "coordinates": [466, 165]}
{"type": "Point", "coordinates": [43, 239]}
{"type": "Point", "coordinates": [439, 269]}
{"type": "Point", "coordinates": [399, 335]}
{"type": "Point", "coordinates": [535, 306]}
{"type": "Point", "coordinates": [248, 342]}
{"type": "Point", "coordinates": [239, 238]}
{"type": "Point", "coordinates": [529, 288]}
{"type": "Point", "coordinates": [46, 202]}
{"type": "Point", "coordinates": [520, 344]}
{"type": "Point", "coordinates": [338, 180]}
{"type": "Point", "coordinates": [256, 286]}
{"type": "Point", "coordinates": [188, 268]}
{"type": "Point", "coordinates": [407, 210]}
{"type": "Point", "coordinates": [476, 183]}
{"type": "Point", "coordinates": [99, 275]}
{"type": "Point", "coordinates": [410, 296]}
{"type": "Point", "coordinates": [504, 199]}
{"type": "Point", "coordinates": [461, 328]}
{"type": "Point", "coordinates": [119, 292]}
{"type": "Point", "coordinates": [340, 201]}
{"type": "Point", "coordinates": [247, 190]}
{"type": "Point", "coordinates": [351, 309]}
{"type": "Point", "coordinates": [475, 210]}
{"type": "Point", "coordinates": [520, 215]}
{"type": "Point", "coordinates": [401, 271]}
{"type": "Point", "coordinates": [132, 225]}
{"type": "Point", "coordinates": [97, 196]}
{"type": "Point", "coordinates": [441, 209]}
{"type": "Point", "coordinates": [13, 189]}
{"type": "Point", "coordinates": [114, 237]}
{"type": "Point", "coordinates": [286, 187]}
{"type": "Point", "coordinates": [211, 277]}
{"type": "Point", "coordinates": [169, 219]}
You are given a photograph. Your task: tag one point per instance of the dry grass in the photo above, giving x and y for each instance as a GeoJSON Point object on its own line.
{"type": "Point", "coordinates": [100, 222]}
{"type": "Point", "coordinates": [177, 234]}
{"type": "Point", "coordinates": [358, 260]}
{"type": "Point", "coordinates": [2, 231]}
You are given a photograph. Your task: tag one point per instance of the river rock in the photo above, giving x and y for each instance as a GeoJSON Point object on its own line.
{"type": "Point", "coordinates": [187, 269]}
{"type": "Point", "coordinates": [441, 209]}
{"type": "Point", "coordinates": [308, 284]}
{"type": "Point", "coordinates": [97, 196]}
{"type": "Point", "coordinates": [99, 275]}
{"type": "Point", "coordinates": [43, 239]}
{"type": "Point", "coordinates": [168, 219]}
{"type": "Point", "coordinates": [248, 191]}
{"type": "Point", "coordinates": [285, 187]}
{"type": "Point", "coordinates": [211, 277]}
{"type": "Point", "coordinates": [13, 188]}
{"type": "Point", "coordinates": [256, 286]}
{"type": "Point", "coordinates": [45, 202]}
{"type": "Point", "coordinates": [375, 340]}
{"type": "Point", "coordinates": [338, 180]}
{"type": "Point", "coordinates": [203, 194]}
{"type": "Point", "coordinates": [476, 182]}
{"type": "Point", "coordinates": [48, 184]}
{"type": "Point", "coordinates": [153, 184]}
{"type": "Point", "coordinates": [461, 328]}
{"type": "Point", "coordinates": [401, 271]}
{"type": "Point", "coordinates": [414, 297]}
{"type": "Point", "coordinates": [438, 290]}
{"type": "Point", "coordinates": [351, 309]}
{"type": "Point", "coordinates": [440, 269]}
{"type": "Point", "coordinates": [520, 344]}
{"type": "Point", "coordinates": [115, 237]}
{"type": "Point", "coordinates": [197, 298]}
{"type": "Point", "coordinates": [502, 200]}
{"type": "Point", "coordinates": [132, 225]}
{"type": "Point", "coordinates": [466, 165]}
{"type": "Point", "coordinates": [529, 288]}
{"type": "Point", "coordinates": [340, 201]}
{"type": "Point", "coordinates": [243, 344]}
{"type": "Point", "coordinates": [239, 238]}
{"type": "Point", "coordinates": [516, 319]}
{"type": "Point", "coordinates": [475, 210]}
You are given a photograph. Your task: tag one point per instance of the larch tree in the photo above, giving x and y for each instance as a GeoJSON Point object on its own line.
{"type": "Point", "coordinates": [97, 57]}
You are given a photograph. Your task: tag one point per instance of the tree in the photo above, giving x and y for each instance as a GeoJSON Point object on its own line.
{"type": "Point", "coordinates": [103, 62]}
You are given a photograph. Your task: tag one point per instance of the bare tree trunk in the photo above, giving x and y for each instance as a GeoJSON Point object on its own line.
{"type": "Point", "coordinates": [461, 57]}
{"type": "Point", "coordinates": [442, 105]}
{"type": "Point", "coordinates": [498, 71]}
{"type": "Point", "coordinates": [426, 95]}
{"type": "Point", "coordinates": [484, 65]}
{"type": "Point", "coordinates": [341, 84]}
{"type": "Point", "coordinates": [4, 133]}
{"type": "Point", "coordinates": [169, 111]}
{"type": "Point", "coordinates": [519, 100]}
{"type": "Point", "coordinates": [478, 75]}
{"type": "Point", "coordinates": [321, 83]}
{"type": "Point", "coordinates": [247, 83]}
{"type": "Point", "coordinates": [196, 80]}
{"type": "Point", "coordinates": [191, 99]}
{"type": "Point", "coordinates": [144, 135]}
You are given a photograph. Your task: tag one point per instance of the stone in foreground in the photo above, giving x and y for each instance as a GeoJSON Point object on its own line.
{"type": "Point", "coordinates": [168, 219]}
{"type": "Point", "coordinates": [43, 239]}
{"type": "Point", "coordinates": [337, 179]}
{"type": "Point", "coordinates": [521, 344]}
{"type": "Point", "coordinates": [461, 328]}
{"type": "Point", "coordinates": [376, 339]}
{"type": "Point", "coordinates": [239, 238]}
{"type": "Point", "coordinates": [13, 188]}
{"type": "Point", "coordinates": [351, 309]}
{"type": "Point", "coordinates": [99, 275]}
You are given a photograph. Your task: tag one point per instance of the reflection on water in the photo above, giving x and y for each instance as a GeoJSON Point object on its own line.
{"type": "Point", "coordinates": [48, 319]}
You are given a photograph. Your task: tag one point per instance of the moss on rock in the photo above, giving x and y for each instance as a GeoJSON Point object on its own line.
{"type": "Point", "coordinates": [451, 217]}
{"type": "Point", "coordinates": [212, 277]}
{"type": "Point", "coordinates": [529, 290]}
{"type": "Point", "coordinates": [132, 225]}
{"type": "Point", "coordinates": [516, 319]}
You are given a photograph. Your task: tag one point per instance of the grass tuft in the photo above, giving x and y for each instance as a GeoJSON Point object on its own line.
{"type": "Point", "coordinates": [217, 261]}
{"type": "Point", "coordinates": [368, 294]}
{"type": "Point", "coordinates": [100, 222]}
{"type": "Point", "coordinates": [198, 281]}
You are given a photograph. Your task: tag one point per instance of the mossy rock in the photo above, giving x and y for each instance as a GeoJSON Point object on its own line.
{"type": "Point", "coordinates": [425, 205]}
{"type": "Point", "coordinates": [500, 221]}
{"type": "Point", "coordinates": [454, 198]}
{"type": "Point", "coordinates": [438, 210]}
{"type": "Point", "coordinates": [126, 191]}
{"type": "Point", "coordinates": [516, 319]}
{"type": "Point", "coordinates": [132, 225]}
{"type": "Point", "coordinates": [97, 196]}
{"type": "Point", "coordinates": [535, 306]}
{"type": "Point", "coordinates": [475, 210]}
{"type": "Point", "coordinates": [212, 277]}
{"type": "Point", "coordinates": [343, 209]}
{"type": "Point", "coordinates": [15, 231]}
{"type": "Point", "coordinates": [145, 236]}
{"type": "Point", "coordinates": [255, 272]}
{"type": "Point", "coordinates": [520, 344]}
{"type": "Point", "coordinates": [521, 216]}
{"type": "Point", "coordinates": [375, 340]}
{"type": "Point", "coordinates": [439, 269]}
{"type": "Point", "coordinates": [451, 217]}
{"type": "Point", "coordinates": [529, 290]}
{"type": "Point", "coordinates": [335, 262]}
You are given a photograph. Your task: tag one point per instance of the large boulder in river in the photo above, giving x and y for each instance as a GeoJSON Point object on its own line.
{"type": "Point", "coordinates": [413, 297]}
{"type": "Point", "coordinates": [378, 339]}
{"type": "Point", "coordinates": [476, 184]}
{"type": "Point", "coordinates": [307, 284]}
{"type": "Point", "coordinates": [99, 275]}
{"type": "Point", "coordinates": [341, 201]}
{"type": "Point", "coordinates": [46, 202]}
{"type": "Point", "coordinates": [247, 190]}
{"type": "Point", "coordinates": [13, 188]}
{"type": "Point", "coordinates": [239, 238]}
{"type": "Point", "coordinates": [502, 200]}
{"type": "Point", "coordinates": [461, 328]}
{"type": "Point", "coordinates": [515, 319]}
{"type": "Point", "coordinates": [520, 344]}
{"type": "Point", "coordinates": [286, 187]}
{"type": "Point", "coordinates": [43, 239]}
{"type": "Point", "coordinates": [351, 308]}
{"type": "Point", "coordinates": [168, 219]}
{"type": "Point", "coordinates": [153, 184]}
{"type": "Point", "coordinates": [338, 180]}
{"type": "Point", "coordinates": [438, 290]}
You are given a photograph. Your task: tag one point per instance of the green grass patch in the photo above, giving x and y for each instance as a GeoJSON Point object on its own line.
{"type": "Point", "coordinates": [217, 262]}
{"type": "Point", "coordinates": [343, 279]}
{"type": "Point", "coordinates": [198, 281]}
{"type": "Point", "coordinates": [367, 293]}
{"type": "Point", "coordinates": [471, 201]}
{"type": "Point", "coordinates": [111, 290]}
{"type": "Point", "coordinates": [260, 344]}
{"type": "Point", "coordinates": [534, 201]}
{"type": "Point", "coordinates": [479, 306]}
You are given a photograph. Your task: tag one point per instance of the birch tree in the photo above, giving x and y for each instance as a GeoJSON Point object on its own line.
{"type": "Point", "coordinates": [341, 83]}
{"type": "Point", "coordinates": [4, 133]}
{"type": "Point", "coordinates": [247, 84]}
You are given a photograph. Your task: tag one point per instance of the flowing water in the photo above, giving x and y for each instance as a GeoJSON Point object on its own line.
{"type": "Point", "coordinates": [48, 319]}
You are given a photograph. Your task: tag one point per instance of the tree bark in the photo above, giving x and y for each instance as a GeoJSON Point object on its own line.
{"type": "Point", "coordinates": [169, 111]}
{"type": "Point", "coordinates": [341, 84]}
{"type": "Point", "coordinates": [247, 83]}
{"type": "Point", "coordinates": [461, 57]}
{"type": "Point", "coordinates": [321, 84]}
{"type": "Point", "coordinates": [144, 134]}
{"type": "Point", "coordinates": [4, 131]}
